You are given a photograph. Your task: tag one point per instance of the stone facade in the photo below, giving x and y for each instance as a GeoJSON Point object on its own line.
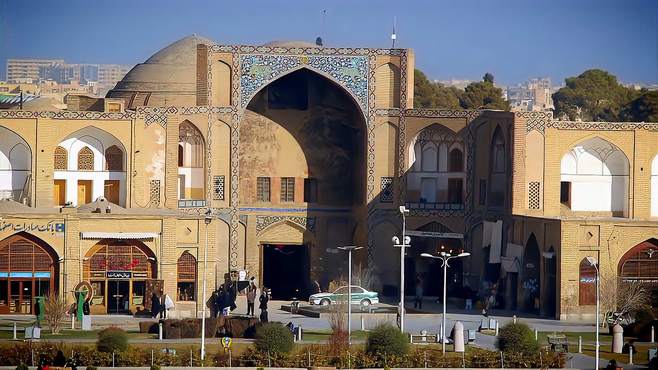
{"type": "Point", "coordinates": [295, 150]}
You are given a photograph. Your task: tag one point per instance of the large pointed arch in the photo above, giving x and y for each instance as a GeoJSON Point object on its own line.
{"type": "Point", "coordinates": [594, 177]}
{"type": "Point", "coordinates": [15, 166]}
{"type": "Point", "coordinates": [531, 283]}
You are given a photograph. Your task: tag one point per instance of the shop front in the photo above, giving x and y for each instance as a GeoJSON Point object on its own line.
{"type": "Point", "coordinates": [28, 269]}
{"type": "Point", "coordinates": [121, 273]}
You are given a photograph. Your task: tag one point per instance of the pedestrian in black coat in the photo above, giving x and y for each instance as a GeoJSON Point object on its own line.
{"type": "Point", "coordinates": [263, 299]}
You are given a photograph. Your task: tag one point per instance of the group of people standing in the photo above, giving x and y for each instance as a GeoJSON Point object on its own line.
{"type": "Point", "coordinates": [160, 304]}
{"type": "Point", "coordinates": [222, 300]}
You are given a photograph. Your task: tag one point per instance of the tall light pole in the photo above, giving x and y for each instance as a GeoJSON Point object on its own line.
{"type": "Point", "coordinates": [405, 243]}
{"type": "Point", "coordinates": [444, 257]}
{"type": "Point", "coordinates": [207, 220]}
{"type": "Point", "coordinates": [592, 261]}
{"type": "Point", "coordinates": [349, 249]}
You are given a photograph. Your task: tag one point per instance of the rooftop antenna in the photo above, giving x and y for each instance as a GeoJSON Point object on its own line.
{"type": "Point", "coordinates": [319, 40]}
{"type": "Point", "coordinates": [394, 36]}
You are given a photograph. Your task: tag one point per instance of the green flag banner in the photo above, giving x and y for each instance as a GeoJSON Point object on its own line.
{"type": "Point", "coordinates": [81, 301]}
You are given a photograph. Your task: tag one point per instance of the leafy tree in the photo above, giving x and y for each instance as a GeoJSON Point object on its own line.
{"type": "Point", "coordinates": [596, 92]}
{"type": "Point", "coordinates": [642, 109]}
{"type": "Point", "coordinates": [484, 95]}
{"type": "Point", "coordinates": [428, 94]}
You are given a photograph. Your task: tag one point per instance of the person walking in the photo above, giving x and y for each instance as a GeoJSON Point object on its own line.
{"type": "Point", "coordinates": [263, 305]}
{"type": "Point", "coordinates": [418, 299]}
{"type": "Point", "coordinates": [163, 310]}
{"type": "Point", "coordinates": [251, 298]}
{"type": "Point", "coordinates": [155, 305]}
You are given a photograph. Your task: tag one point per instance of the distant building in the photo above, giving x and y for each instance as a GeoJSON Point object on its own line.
{"type": "Point", "coordinates": [460, 84]}
{"type": "Point", "coordinates": [533, 95]}
{"type": "Point", "coordinates": [28, 70]}
{"type": "Point", "coordinates": [102, 77]}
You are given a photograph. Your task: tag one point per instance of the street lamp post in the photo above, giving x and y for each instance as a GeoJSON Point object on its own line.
{"type": "Point", "coordinates": [444, 257]}
{"type": "Point", "coordinates": [207, 220]}
{"type": "Point", "coordinates": [405, 243]}
{"type": "Point", "coordinates": [592, 261]}
{"type": "Point", "coordinates": [349, 249]}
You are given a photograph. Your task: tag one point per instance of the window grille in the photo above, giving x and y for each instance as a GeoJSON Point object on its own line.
{"type": "Point", "coordinates": [287, 189]}
{"type": "Point", "coordinates": [61, 159]}
{"type": "Point", "coordinates": [263, 189]}
{"type": "Point", "coordinates": [386, 194]}
{"type": "Point", "coordinates": [85, 159]}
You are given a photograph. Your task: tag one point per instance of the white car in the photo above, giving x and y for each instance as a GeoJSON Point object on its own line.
{"type": "Point", "coordinates": [359, 296]}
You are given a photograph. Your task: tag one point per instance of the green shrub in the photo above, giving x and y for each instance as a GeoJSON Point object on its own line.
{"type": "Point", "coordinates": [517, 338]}
{"type": "Point", "coordinates": [22, 366]}
{"type": "Point", "coordinates": [155, 367]}
{"type": "Point", "coordinates": [387, 339]}
{"type": "Point", "coordinates": [273, 337]}
{"type": "Point", "coordinates": [112, 339]}
{"type": "Point", "coordinates": [91, 368]}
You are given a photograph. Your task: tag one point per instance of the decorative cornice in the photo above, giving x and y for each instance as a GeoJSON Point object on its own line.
{"type": "Point", "coordinates": [603, 126]}
{"type": "Point", "coordinates": [127, 115]}
{"type": "Point", "coordinates": [443, 113]}
{"type": "Point", "coordinates": [297, 50]}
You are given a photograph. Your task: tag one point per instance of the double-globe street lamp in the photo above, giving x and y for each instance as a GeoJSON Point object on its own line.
{"type": "Point", "coordinates": [594, 263]}
{"type": "Point", "coordinates": [444, 257]}
{"type": "Point", "coordinates": [406, 242]}
{"type": "Point", "coordinates": [349, 249]}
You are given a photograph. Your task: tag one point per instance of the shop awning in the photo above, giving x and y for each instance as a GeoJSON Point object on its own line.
{"type": "Point", "coordinates": [106, 235]}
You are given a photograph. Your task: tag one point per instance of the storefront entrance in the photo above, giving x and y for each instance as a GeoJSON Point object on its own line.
{"type": "Point", "coordinates": [27, 270]}
{"type": "Point", "coordinates": [119, 293]}
{"type": "Point", "coordinates": [119, 271]}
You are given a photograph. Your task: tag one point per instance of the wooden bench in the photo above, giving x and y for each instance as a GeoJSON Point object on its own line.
{"type": "Point", "coordinates": [558, 343]}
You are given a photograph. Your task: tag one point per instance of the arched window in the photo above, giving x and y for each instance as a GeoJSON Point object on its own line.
{"type": "Point", "coordinates": [180, 155]}
{"type": "Point", "coordinates": [640, 263]}
{"type": "Point", "coordinates": [456, 163]}
{"type": "Point", "coordinates": [586, 283]}
{"type": "Point", "coordinates": [498, 152]}
{"type": "Point", "coordinates": [594, 177]}
{"type": "Point", "coordinates": [113, 159]}
{"type": "Point", "coordinates": [429, 158]}
{"type": "Point", "coordinates": [85, 159]}
{"type": "Point", "coordinates": [61, 159]}
{"type": "Point", "coordinates": [186, 277]}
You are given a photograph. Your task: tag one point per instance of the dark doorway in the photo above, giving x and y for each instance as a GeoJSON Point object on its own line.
{"type": "Point", "coordinates": [118, 292]}
{"type": "Point", "coordinates": [286, 271]}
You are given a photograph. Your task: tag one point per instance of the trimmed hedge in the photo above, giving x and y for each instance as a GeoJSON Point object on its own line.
{"type": "Point", "coordinates": [13, 354]}
{"type": "Point", "coordinates": [387, 340]}
{"type": "Point", "coordinates": [273, 337]}
{"type": "Point", "coordinates": [517, 338]}
{"type": "Point", "coordinates": [112, 339]}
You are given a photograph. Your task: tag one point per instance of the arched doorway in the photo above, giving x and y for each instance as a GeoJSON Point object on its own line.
{"type": "Point", "coordinates": [550, 261]}
{"type": "Point", "coordinates": [641, 264]}
{"type": "Point", "coordinates": [15, 166]}
{"type": "Point", "coordinates": [28, 268]}
{"type": "Point", "coordinates": [429, 269]}
{"type": "Point", "coordinates": [531, 284]}
{"type": "Point", "coordinates": [118, 271]}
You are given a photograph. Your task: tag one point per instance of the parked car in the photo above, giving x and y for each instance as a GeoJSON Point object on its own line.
{"type": "Point", "coordinates": [359, 296]}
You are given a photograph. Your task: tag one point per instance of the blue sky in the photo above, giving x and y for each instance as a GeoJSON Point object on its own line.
{"type": "Point", "coordinates": [462, 39]}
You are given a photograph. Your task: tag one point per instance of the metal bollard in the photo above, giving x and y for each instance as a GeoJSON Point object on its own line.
{"type": "Point", "coordinates": [630, 355]}
{"type": "Point", "coordinates": [536, 334]}
{"type": "Point", "coordinates": [580, 344]}
{"type": "Point", "coordinates": [514, 318]}
{"type": "Point", "coordinates": [653, 334]}
{"type": "Point", "coordinates": [72, 322]}
{"type": "Point", "coordinates": [112, 358]}
{"type": "Point", "coordinates": [496, 331]}
{"type": "Point", "coordinates": [15, 331]}
{"type": "Point", "coordinates": [299, 334]}
{"type": "Point", "coordinates": [363, 323]}
{"type": "Point", "coordinates": [151, 357]}
{"type": "Point", "coordinates": [502, 361]}
{"type": "Point", "coordinates": [160, 331]}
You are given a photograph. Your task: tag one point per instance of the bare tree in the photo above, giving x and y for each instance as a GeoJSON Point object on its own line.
{"type": "Point", "coordinates": [364, 277]}
{"type": "Point", "coordinates": [619, 299]}
{"type": "Point", "coordinates": [55, 312]}
{"type": "Point", "coordinates": [338, 341]}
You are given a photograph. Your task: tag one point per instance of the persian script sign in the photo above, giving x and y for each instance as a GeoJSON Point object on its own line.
{"type": "Point", "coordinates": [52, 226]}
